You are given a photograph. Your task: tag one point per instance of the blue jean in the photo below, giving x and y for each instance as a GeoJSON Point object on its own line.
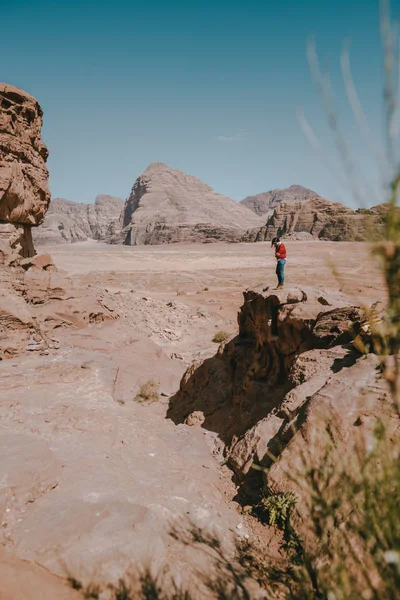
{"type": "Point", "coordinates": [280, 270]}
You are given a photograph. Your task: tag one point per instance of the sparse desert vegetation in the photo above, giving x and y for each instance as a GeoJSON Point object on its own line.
{"type": "Point", "coordinates": [148, 393]}
{"type": "Point", "coordinates": [220, 336]}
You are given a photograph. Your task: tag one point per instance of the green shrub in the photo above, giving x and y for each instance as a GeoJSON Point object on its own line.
{"type": "Point", "coordinates": [275, 510]}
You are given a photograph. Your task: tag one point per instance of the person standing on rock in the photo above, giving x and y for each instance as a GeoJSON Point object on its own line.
{"type": "Point", "coordinates": [280, 255]}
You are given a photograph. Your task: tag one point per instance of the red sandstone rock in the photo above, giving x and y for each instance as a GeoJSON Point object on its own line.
{"type": "Point", "coordinates": [24, 193]}
{"type": "Point", "coordinates": [40, 261]}
{"type": "Point", "coordinates": [250, 391]}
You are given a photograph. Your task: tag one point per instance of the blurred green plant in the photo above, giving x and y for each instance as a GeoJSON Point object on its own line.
{"type": "Point", "coordinates": [349, 507]}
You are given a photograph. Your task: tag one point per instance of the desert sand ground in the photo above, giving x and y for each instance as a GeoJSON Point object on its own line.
{"type": "Point", "coordinates": [103, 475]}
{"type": "Point", "coordinates": [225, 269]}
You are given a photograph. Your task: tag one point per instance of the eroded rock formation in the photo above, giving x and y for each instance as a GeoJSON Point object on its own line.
{"type": "Point", "coordinates": [264, 203]}
{"type": "Point", "coordinates": [320, 219]}
{"type": "Point", "coordinates": [36, 301]}
{"type": "Point", "coordinates": [167, 206]}
{"type": "Point", "coordinates": [287, 368]}
{"type": "Point", "coordinates": [24, 193]}
{"type": "Point", "coordinates": [68, 221]}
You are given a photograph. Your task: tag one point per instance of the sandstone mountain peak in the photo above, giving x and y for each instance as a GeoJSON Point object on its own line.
{"type": "Point", "coordinates": [299, 188]}
{"type": "Point", "coordinates": [167, 205]}
{"type": "Point", "coordinates": [157, 166]}
{"type": "Point", "coordinates": [158, 170]}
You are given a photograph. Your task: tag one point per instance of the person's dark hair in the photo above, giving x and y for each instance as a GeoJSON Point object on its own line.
{"type": "Point", "coordinates": [275, 240]}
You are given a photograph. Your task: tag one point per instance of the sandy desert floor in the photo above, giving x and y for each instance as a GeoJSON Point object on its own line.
{"type": "Point", "coordinates": [225, 269]}
{"type": "Point", "coordinates": [100, 466]}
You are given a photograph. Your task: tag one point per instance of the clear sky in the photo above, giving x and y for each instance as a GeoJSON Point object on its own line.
{"type": "Point", "coordinates": [210, 87]}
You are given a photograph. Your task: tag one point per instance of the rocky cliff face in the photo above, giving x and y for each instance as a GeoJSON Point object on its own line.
{"type": "Point", "coordinates": [105, 211]}
{"type": "Point", "coordinates": [24, 193]}
{"type": "Point", "coordinates": [68, 221]}
{"type": "Point", "coordinates": [166, 206]}
{"type": "Point", "coordinates": [321, 219]}
{"type": "Point", "coordinates": [290, 365]}
{"type": "Point", "coordinates": [310, 216]}
{"type": "Point", "coordinates": [264, 203]}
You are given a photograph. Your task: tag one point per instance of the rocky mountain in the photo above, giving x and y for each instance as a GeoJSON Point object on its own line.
{"type": "Point", "coordinates": [320, 219]}
{"type": "Point", "coordinates": [68, 221]}
{"type": "Point", "coordinates": [24, 193]}
{"type": "Point", "coordinates": [166, 205]}
{"type": "Point", "coordinates": [264, 203]}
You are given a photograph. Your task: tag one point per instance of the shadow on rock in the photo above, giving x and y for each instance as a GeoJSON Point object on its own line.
{"type": "Point", "coordinates": [252, 388]}
{"type": "Point", "coordinates": [346, 361]}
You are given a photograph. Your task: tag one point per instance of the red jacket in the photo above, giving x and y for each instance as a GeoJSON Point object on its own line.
{"type": "Point", "coordinates": [281, 252]}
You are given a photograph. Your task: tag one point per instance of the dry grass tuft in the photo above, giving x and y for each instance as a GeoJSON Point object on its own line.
{"type": "Point", "coordinates": [220, 336]}
{"type": "Point", "coordinates": [148, 393]}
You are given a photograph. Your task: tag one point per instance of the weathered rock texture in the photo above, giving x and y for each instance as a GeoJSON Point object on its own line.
{"type": "Point", "coordinates": [310, 216]}
{"type": "Point", "coordinates": [314, 217]}
{"type": "Point", "coordinates": [35, 301]}
{"type": "Point", "coordinates": [91, 480]}
{"type": "Point", "coordinates": [68, 221]}
{"type": "Point", "coordinates": [24, 193]}
{"type": "Point", "coordinates": [22, 580]}
{"type": "Point", "coordinates": [264, 203]}
{"type": "Point", "coordinates": [291, 357]}
{"type": "Point", "coordinates": [166, 206]}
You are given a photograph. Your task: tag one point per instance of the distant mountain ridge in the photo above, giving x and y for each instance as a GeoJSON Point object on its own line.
{"type": "Point", "coordinates": [167, 206]}
{"type": "Point", "coordinates": [264, 203]}
{"type": "Point", "coordinates": [68, 221]}
{"type": "Point", "coordinates": [297, 212]}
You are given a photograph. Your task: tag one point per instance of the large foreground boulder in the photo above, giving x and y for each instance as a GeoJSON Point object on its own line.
{"type": "Point", "coordinates": [256, 391]}
{"type": "Point", "coordinates": [24, 193]}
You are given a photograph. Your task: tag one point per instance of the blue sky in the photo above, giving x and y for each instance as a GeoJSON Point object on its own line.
{"type": "Point", "coordinates": [211, 88]}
